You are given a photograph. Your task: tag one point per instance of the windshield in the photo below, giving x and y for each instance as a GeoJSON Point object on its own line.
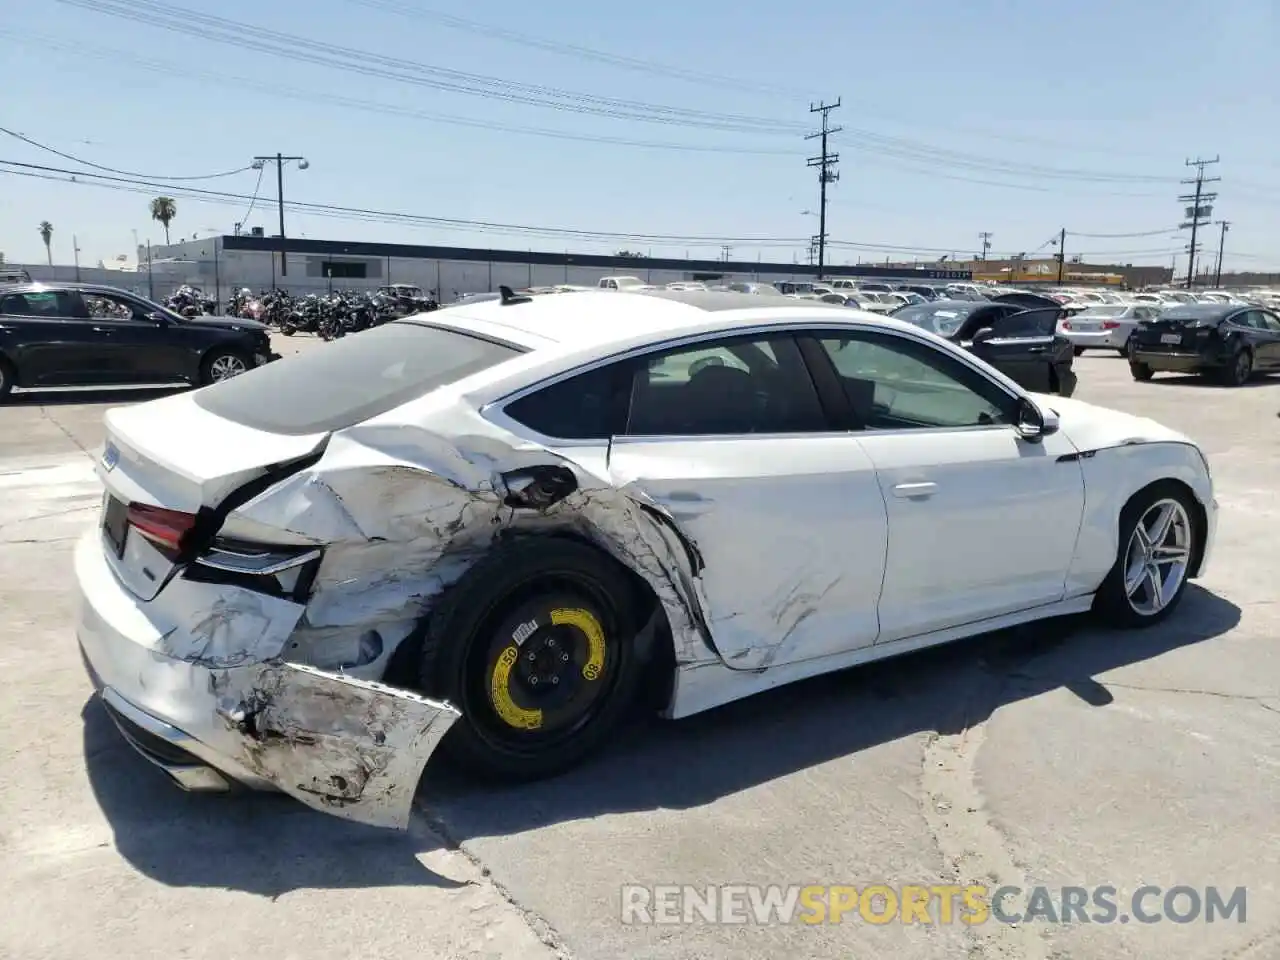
{"type": "Point", "coordinates": [943, 318]}
{"type": "Point", "coordinates": [352, 379]}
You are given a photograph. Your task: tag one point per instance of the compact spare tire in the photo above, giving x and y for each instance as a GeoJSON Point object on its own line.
{"type": "Point", "coordinates": [536, 647]}
{"type": "Point", "coordinates": [1160, 538]}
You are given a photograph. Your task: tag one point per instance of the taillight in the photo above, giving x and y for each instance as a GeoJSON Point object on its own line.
{"type": "Point", "coordinates": [1066, 324]}
{"type": "Point", "coordinates": [1109, 324]}
{"type": "Point", "coordinates": [167, 529]}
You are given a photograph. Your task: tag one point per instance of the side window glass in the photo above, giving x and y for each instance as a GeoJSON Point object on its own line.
{"type": "Point", "coordinates": [105, 307]}
{"type": "Point", "coordinates": [39, 305]}
{"type": "Point", "coordinates": [896, 384]}
{"type": "Point", "coordinates": [1029, 323]}
{"type": "Point", "coordinates": [735, 386]}
{"type": "Point", "coordinates": [1270, 322]}
{"type": "Point", "coordinates": [589, 406]}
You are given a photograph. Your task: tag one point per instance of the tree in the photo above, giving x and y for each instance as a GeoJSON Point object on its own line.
{"type": "Point", "coordinates": [46, 234]}
{"type": "Point", "coordinates": [164, 209]}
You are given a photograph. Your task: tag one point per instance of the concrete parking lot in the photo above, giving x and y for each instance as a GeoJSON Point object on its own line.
{"type": "Point", "coordinates": [1061, 755]}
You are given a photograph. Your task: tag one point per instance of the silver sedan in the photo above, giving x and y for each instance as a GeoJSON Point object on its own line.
{"type": "Point", "coordinates": [1106, 326]}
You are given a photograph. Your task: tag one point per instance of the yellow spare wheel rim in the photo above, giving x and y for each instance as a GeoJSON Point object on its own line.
{"type": "Point", "coordinates": [549, 669]}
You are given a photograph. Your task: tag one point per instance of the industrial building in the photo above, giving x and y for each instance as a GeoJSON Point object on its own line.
{"type": "Point", "coordinates": [311, 266]}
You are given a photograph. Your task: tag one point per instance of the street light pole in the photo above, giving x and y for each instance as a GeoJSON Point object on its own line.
{"type": "Point", "coordinates": [280, 160]}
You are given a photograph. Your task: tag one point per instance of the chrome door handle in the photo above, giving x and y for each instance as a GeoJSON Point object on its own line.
{"type": "Point", "coordinates": [102, 330]}
{"type": "Point", "coordinates": [911, 491]}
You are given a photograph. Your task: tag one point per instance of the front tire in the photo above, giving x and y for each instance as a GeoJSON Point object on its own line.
{"type": "Point", "coordinates": [1077, 351]}
{"type": "Point", "coordinates": [222, 364]}
{"type": "Point", "coordinates": [7, 377]}
{"type": "Point", "coordinates": [536, 647]}
{"type": "Point", "coordinates": [1141, 371]}
{"type": "Point", "coordinates": [1159, 540]}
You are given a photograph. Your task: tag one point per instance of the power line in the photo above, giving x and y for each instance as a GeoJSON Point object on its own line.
{"type": "Point", "coordinates": [575, 50]}
{"type": "Point", "coordinates": [282, 45]}
{"type": "Point", "coordinates": [120, 57]}
{"type": "Point", "coordinates": [387, 216]}
{"type": "Point", "coordinates": [1200, 211]}
{"type": "Point", "coordinates": [369, 63]}
{"type": "Point", "coordinates": [825, 163]}
{"type": "Point", "coordinates": [127, 173]}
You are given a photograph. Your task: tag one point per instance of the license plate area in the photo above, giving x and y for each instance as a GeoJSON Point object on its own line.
{"type": "Point", "coordinates": [115, 523]}
{"type": "Point", "coordinates": [1171, 338]}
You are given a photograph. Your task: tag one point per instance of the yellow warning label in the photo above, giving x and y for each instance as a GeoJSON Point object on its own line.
{"type": "Point", "coordinates": [590, 627]}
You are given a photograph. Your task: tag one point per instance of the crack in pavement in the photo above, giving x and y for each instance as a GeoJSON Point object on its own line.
{"type": "Point", "coordinates": [955, 811]}
{"type": "Point", "coordinates": [44, 412]}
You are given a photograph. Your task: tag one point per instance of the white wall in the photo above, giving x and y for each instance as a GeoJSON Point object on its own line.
{"type": "Point", "coordinates": [203, 264]}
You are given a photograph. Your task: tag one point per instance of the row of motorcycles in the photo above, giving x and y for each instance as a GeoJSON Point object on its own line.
{"type": "Point", "coordinates": [329, 315]}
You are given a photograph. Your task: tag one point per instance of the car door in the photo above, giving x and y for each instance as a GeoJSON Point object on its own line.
{"type": "Point", "coordinates": [141, 343]}
{"type": "Point", "coordinates": [1269, 344]}
{"type": "Point", "coordinates": [982, 523]}
{"type": "Point", "coordinates": [49, 338]}
{"type": "Point", "coordinates": [1264, 337]}
{"type": "Point", "coordinates": [730, 439]}
{"type": "Point", "coordinates": [1022, 347]}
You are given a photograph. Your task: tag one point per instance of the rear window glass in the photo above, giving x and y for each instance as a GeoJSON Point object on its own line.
{"type": "Point", "coordinates": [336, 385]}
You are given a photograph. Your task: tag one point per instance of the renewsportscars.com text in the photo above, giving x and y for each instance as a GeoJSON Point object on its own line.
{"type": "Point", "coordinates": [928, 904]}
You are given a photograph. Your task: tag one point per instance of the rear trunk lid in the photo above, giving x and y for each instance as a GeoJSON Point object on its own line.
{"type": "Point", "coordinates": [166, 467]}
{"type": "Point", "coordinates": [1172, 334]}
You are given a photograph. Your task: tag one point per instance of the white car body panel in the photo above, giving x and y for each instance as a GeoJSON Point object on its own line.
{"type": "Point", "coordinates": [404, 503]}
{"type": "Point", "coordinates": [944, 567]}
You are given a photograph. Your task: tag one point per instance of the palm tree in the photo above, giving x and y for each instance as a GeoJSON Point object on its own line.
{"type": "Point", "coordinates": [46, 234]}
{"type": "Point", "coordinates": [164, 209]}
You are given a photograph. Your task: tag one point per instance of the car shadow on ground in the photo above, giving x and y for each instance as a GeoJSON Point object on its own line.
{"type": "Point", "coordinates": [675, 765]}
{"type": "Point", "coordinates": [91, 395]}
{"type": "Point", "coordinates": [269, 844]}
{"type": "Point", "coordinates": [260, 843]}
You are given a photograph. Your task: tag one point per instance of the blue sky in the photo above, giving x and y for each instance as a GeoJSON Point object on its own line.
{"type": "Point", "coordinates": [1014, 118]}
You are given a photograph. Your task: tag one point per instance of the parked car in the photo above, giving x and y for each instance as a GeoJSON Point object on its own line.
{"type": "Point", "coordinates": [1021, 343]}
{"type": "Point", "coordinates": [1106, 326]}
{"type": "Point", "coordinates": [82, 335]}
{"type": "Point", "coordinates": [1227, 342]}
{"type": "Point", "coordinates": [496, 528]}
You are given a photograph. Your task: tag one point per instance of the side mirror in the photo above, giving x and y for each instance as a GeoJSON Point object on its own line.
{"type": "Point", "coordinates": [156, 317]}
{"type": "Point", "coordinates": [1034, 424]}
{"type": "Point", "coordinates": [983, 335]}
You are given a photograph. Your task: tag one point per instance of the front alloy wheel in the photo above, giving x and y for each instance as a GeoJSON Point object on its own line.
{"type": "Point", "coordinates": [1159, 536]}
{"type": "Point", "coordinates": [1157, 558]}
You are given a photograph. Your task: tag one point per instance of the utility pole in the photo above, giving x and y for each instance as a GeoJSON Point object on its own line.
{"type": "Point", "coordinates": [826, 165]}
{"type": "Point", "coordinates": [985, 237]}
{"type": "Point", "coordinates": [75, 251]}
{"type": "Point", "coordinates": [280, 160]}
{"type": "Point", "coordinates": [1222, 243]}
{"type": "Point", "coordinates": [1062, 253]}
{"type": "Point", "coordinates": [1199, 212]}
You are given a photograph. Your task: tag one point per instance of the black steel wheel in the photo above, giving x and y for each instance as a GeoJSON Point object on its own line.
{"type": "Point", "coordinates": [536, 647]}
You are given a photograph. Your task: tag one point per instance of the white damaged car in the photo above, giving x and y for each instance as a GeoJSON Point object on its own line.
{"type": "Point", "coordinates": [492, 528]}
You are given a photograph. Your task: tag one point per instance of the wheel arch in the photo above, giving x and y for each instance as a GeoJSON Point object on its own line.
{"type": "Point", "coordinates": [652, 623]}
{"type": "Point", "coordinates": [1114, 478]}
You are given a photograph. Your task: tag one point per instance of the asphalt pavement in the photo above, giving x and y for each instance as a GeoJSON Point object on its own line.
{"type": "Point", "coordinates": [1059, 755]}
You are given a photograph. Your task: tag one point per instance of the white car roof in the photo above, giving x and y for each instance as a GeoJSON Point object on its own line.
{"type": "Point", "coordinates": [577, 329]}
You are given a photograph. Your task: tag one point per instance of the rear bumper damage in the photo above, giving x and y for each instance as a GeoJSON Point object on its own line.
{"type": "Point", "coordinates": [212, 707]}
